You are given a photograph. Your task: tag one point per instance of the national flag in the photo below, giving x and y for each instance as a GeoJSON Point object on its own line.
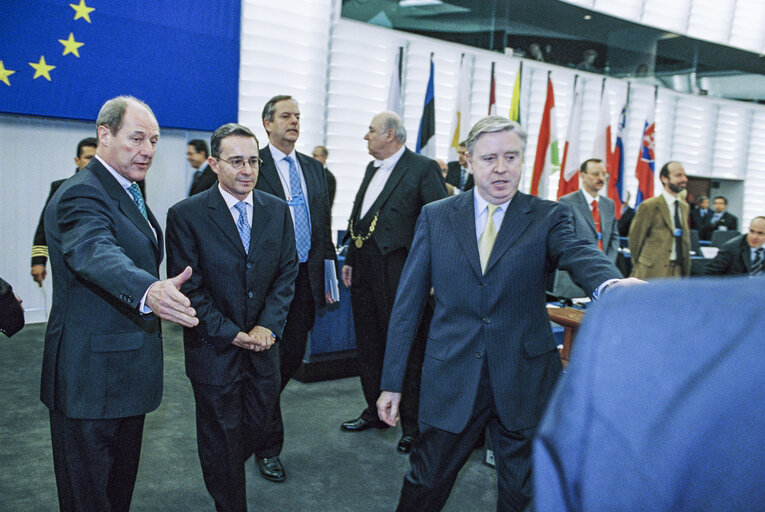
{"type": "Point", "coordinates": [601, 147]}
{"type": "Point", "coordinates": [515, 103]}
{"type": "Point", "coordinates": [546, 161]}
{"type": "Point", "coordinates": [426, 137]}
{"type": "Point", "coordinates": [569, 170]}
{"type": "Point", "coordinates": [492, 94]}
{"type": "Point", "coordinates": [644, 171]}
{"type": "Point", "coordinates": [616, 165]}
{"type": "Point", "coordinates": [461, 119]}
{"type": "Point", "coordinates": [65, 59]}
{"type": "Point", "coordinates": [394, 91]}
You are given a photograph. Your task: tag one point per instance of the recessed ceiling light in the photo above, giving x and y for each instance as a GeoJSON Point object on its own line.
{"type": "Point", "coordinates": [419, 3]}
{"type": "Point", "coordinates": [587, 17]}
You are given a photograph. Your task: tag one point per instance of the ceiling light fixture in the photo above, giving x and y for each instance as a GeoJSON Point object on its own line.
{"type": "Point", "coordinates": [587, 17]}
{"type": "Point", "coordinates": [419, 3]}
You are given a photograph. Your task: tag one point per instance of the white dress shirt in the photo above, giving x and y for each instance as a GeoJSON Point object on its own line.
{"type": "Point", "coordinates": [378, 181]}
{"type": "Point", "coordinates": [283, 169]}
{"type": "Point", "coordinates": [231, 202]}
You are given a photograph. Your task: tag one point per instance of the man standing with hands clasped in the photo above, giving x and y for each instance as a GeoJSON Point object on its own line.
{"type": "Point", "coordinates": [491, 358]}
{"type": "Point", "coordinates": [241, 245]}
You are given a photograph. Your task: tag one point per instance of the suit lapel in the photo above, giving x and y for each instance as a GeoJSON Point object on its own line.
{"type": "Point", "coordinates": [584, 209]}
{"type": "Point", "coordinates": [260, 217]}
{"type": "Point", "coordinates": [515, 222]}
{"type": "Point", "coordinates": [124, 201]}
{"type": "Point", "coordinates": [462, 218]}
{"type": "Point", "coordinates": [362, 191]}
{"type": "Point", "coordinates": [270, 175]}
{"type": "Point", "coordinates": [746, 254]}
{"type": "Point", "coordinates": [396, 174]}
{"type": "Point", "coordinates": [220, 215]}
{"type": "Point", "coordinates": [666, 214]}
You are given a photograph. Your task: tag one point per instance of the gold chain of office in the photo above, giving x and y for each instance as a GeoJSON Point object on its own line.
{"type": "Point", "coordinates": [360, 239]}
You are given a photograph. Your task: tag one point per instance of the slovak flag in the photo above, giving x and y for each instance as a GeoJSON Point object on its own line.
{"type": "Point", "coordinates": [644, 172]}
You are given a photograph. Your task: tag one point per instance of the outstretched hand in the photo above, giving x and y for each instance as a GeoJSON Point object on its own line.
{"type": "Point", "coordinates": [167, 302]}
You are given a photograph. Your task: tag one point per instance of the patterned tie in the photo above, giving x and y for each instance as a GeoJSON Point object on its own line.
{"type": "Point", "coordinates": [678, 239]}
{"type": "Point", "coordinates": [135, 191]}
{"type": "Point", "coordinates": [243, 226]}
{"type": "Point", "coordinates": [596, 219]}
{"type": "Point", "coordinates": [487, 238]}
{"type": "Point", "coordinates": [758, 263]}
{"type": "Point", "coordinates": [302, 224]}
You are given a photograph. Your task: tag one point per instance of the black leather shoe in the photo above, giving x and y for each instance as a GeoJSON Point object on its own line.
{"type": "Point", "coordinates": [405, 444]}
{"type": "Point", "coordinates": [360, 424]}
{"type": "Point", "coordinates": [271, 468]}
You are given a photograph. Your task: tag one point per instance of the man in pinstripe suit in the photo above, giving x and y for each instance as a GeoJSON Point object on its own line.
{"type": "Point", "coordinates": [491, 358]}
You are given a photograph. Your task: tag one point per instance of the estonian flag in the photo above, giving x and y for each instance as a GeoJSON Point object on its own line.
{"type": "Point", "coordinates": [426, 138]}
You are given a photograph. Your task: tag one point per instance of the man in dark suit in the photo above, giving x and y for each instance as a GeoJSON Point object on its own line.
{"type": "Point", "coordinates": [300, 180]}
{"type": "Point", "coordinates": [721, 219]}
{"type": "Point", "coordinates": [743, 254]}
{"type": "Point", "coordinates": [204, 177]}
{"type": "Point", "coordinates": [700, 215]}
{"type": "Point", "coordinates": [593, 218]}
{"type": "Point", "coordinates": [648, 418]}
{"type": "Point", "coordinates": [457, 173]}
{"type": "Point", "coordinates": [321, 153]}
{"type": "Point", "coordinates": [11, 312]}
{"type": "Point", "coordinates": [241, 246]}
{"type": "Point", "coordinates": [491, 358]}
{"type": "Point", "coordinates": [396, 185]}
{"type": "Point", "coordinates": [86, 149]}
{"type": "Point", "coordinates": [102, 360]}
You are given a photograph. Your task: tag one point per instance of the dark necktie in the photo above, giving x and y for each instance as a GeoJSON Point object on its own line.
{"type": "Point", "coordinates": [135, 191]}
{"type": "Point", "coordinates": [596, 219]}
{"type": "Point", "coordinates": [758, 263]}
{"type": "Point", "coordinates": [678, 237]}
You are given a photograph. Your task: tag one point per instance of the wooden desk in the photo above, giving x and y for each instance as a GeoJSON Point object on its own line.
{"type": "Point", "coordinates": [570, 319]}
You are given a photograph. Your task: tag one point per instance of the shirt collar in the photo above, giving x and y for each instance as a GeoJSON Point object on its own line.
{"type": "Point", "coordinates": [390, 162]}
{"type": "Point", "coordinates": [669, 198]}
{"type": "Point", "coordinates": [481, 204]}
{"type": "Point", "coordinates": [231, 200]}
{"type": "Point", "coordinates": [588, 197]}
{"type": "Point", "coordinates": [123, 181]}
{"type": "Point", "coordinates": [277, 154]}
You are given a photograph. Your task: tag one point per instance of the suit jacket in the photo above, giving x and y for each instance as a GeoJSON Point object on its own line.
{"type": "Point", "coordinates": [207, 179]}
{"type": "Point", "coordinates": [728, 221]}
{"type": "Point", "coordinates": [584, 228]}
{"type": "Point", "coordinates": [652, 237]}
{"type": "Point", "coordinates": [231, 290]}
{"type": "Point", "coordinates": [322, 247]}
{"type": "Point", "coordinates": [414, 181]}
{"type": "Point", "coordinates": [102, 358]}
{"type": "Point", "coordinates": [629, 426]}
{"type": "Point", "coordinates": [331, 188]}
{"type": "Point", "coordinates": [734, 257]}
{"type": "Point", "coordinates": [498, 316]}
{"type": "Point", "coordinates": [454, 174]}
{"type": "Point", "coordinates": [11, 312]}
{"type": "Point", "coordinates": [699, 223]}
{"type": "Point", "coordinates": [39, 245]}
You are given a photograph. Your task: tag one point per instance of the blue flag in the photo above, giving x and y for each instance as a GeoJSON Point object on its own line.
{"type": "Point", "coordinates": [426, 138]}
{"type": "Point", "coordinates": [65, 58]}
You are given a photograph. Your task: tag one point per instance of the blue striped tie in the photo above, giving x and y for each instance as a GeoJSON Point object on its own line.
{"type": "Point", "coordinates": [135, 191]}
{"type": "Point", "coordinates": [302, 223]}
{"type": "Point", "coordinates": [243, 226]}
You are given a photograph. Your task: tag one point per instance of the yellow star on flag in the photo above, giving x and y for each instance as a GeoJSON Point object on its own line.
{"type": "Point", "coordinates": [4, 74]}
{"type": "Point", "coordinates": [82, 10]}
{"type": "Point", "coordinates": [70, 45]}
{"type": "Point", "coordinates": [41, 68]}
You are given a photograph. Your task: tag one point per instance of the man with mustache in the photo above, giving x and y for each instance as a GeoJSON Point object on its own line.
{"type": "Point", "coordinates": [593, 218]}
{"type": "Point", "coordinates": [659, 239]}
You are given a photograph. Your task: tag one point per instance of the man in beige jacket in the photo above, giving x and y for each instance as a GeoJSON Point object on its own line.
{"type": "Point", "coordinates": [659, 238]}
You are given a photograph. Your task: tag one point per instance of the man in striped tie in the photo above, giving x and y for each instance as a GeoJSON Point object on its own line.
{"type": "Point", "coordinates": [744, 254]}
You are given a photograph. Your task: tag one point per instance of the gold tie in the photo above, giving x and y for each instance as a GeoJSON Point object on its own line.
{"type": "Point", "coordinates": [487, 238]}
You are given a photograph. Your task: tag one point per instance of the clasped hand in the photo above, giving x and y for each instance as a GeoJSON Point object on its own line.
{"type": "Point", "coordinates": [258, 339]}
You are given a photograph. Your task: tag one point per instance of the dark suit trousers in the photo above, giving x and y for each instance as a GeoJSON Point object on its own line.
{"type": "Point", "coordinates": [291, 347]}
{"type": "Point", "coordinates": [375, 279]}
{"type": "Point", "coordinates": [95, 461]}
{"type": "Point", "coordinates": [437, 457]}
{"type": "Point", "coordinates": [230, 425]}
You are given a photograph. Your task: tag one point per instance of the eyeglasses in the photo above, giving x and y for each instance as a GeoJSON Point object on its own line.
{"type": "Point", "coordinates": [238, 162]}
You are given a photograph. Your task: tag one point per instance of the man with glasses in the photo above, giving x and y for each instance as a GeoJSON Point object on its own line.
{"type": "Point", "coordinates": [240, 243]}
{"type": "Point", "coordinates": [593, 218]}
{"type": "Point", "coordinates": [299, 180]}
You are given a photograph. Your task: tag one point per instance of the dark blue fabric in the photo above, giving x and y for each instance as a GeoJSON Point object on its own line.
{"type": "Point", "coordinates": [175, 57]}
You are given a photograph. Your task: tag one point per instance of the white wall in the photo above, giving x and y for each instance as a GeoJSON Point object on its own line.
{"type": "Point", "coordinates": [339, 71]}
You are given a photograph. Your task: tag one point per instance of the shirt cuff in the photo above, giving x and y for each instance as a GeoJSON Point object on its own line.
{"type": "Point", "coordinates": [142, 305]}
{"type": "Point", "coordinates": [602, 288]}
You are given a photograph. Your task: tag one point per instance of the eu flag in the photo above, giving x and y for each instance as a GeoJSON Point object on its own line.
{"type": "Point", "coordinates": [65, 58]}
